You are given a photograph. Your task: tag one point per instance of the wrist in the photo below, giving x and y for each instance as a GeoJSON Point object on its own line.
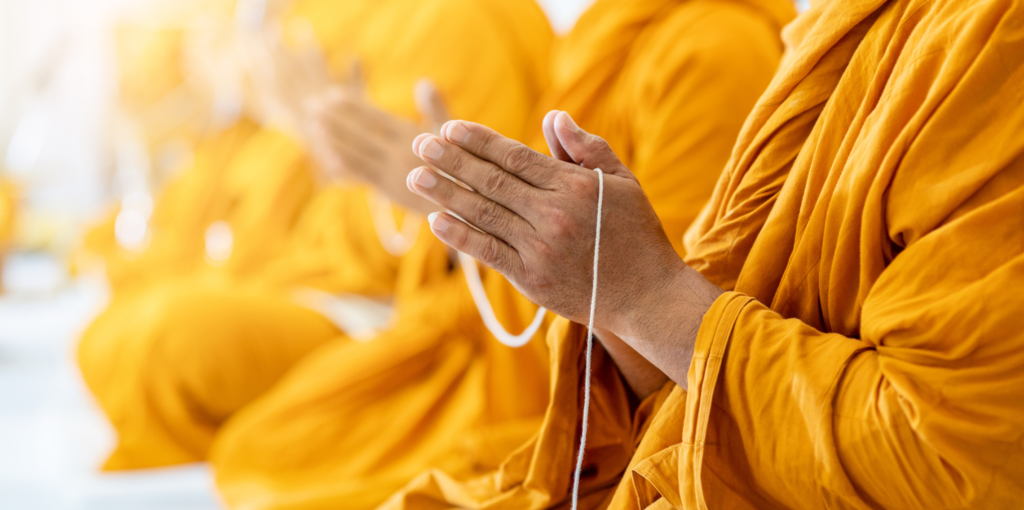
{"type": "Point", "coordinates": [662, 324]}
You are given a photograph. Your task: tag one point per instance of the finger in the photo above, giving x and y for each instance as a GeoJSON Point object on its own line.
{"type": "Point", "coordinates": [588, 150]}
{"type": "Point", "coordinates": [356, 81]}
{"type": "Point", "coordinates": [554, 145]}
{"type": "Point", "coordinates": [513, 157]}
{"type": "Point", "coordinates": [417, 141]}
{"type": "Point", "coordinates": [349, 137]}
{"type": "Point", "coordinates": [431, 106]}
{"type": "Point", "coordinates": [481, 246]}
{"type": "Point", "coordinates": [359, 120]}
{"type": "Point", "coordinates": [483, 176]}
{"type": "Point", "coordinates": [487, 215]}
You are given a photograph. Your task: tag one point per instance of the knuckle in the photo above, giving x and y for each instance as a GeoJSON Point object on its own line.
{"type": "Point", "coordinates": [575, 183]}
{"type": "Point", "coordinates": [600, 143]}
{"type": "Point", "coordinates": [487, 214]}
{"type": "Point", "coordinates": [582, 185]}
{"type": "Point", "coordinates": [455, 162]}
{"type": "Point", "coordinates": [516, 158]}
{"type": "Point", "coordinates": [561, 223]}
{"type": "Point", "coordinates": [493, 182]}
{"type": "Point", "coordinates": [490, 252]}
{"type": "Point", "coordinates": [544, 249]}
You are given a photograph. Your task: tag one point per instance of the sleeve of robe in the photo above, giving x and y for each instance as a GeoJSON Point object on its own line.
{"type": "Point", "coordinates": [923, 410]}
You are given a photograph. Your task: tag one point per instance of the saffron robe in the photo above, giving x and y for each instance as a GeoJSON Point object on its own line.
{"type": "Point", "coordinates": [868, 229]}
{"type": "Point", "coordinates": [352, 423]}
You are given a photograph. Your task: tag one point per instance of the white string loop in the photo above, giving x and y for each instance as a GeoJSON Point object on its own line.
{"type": "Point", "coordinates": [395, 242]}
{"type": "Point", "coordinates": [590, 344]}
{"type": "Point", "coordinates": [483, 305]}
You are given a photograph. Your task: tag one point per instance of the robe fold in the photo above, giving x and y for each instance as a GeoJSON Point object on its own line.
{"type": "Point", "coordinates": [870, 231]}
{"type": "Point", "coordinates": [870, 354]}
{"type": "Point", "coordinates": [650, 69]}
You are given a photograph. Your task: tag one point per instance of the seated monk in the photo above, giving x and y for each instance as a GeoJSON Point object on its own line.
{"type": "Point", "coordinates": [173, 361]}
{"type": "Point", "coordinates": [845, 330]}
{"type": "Point", "coordinates": [670, 83]}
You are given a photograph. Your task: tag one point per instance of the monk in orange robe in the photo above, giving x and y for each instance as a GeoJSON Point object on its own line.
{"type": "Point", "coordinates": [171, 362]}
{"type": "Point", "coordinates": [845, 331]}
{"type": "Point", "coordinates": [354, 422]}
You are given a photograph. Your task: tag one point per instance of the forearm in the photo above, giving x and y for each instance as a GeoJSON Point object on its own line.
{"type": "Point", "coordinates": [642, 377]}
{"type": "Point", "coordinates": [663, 322]}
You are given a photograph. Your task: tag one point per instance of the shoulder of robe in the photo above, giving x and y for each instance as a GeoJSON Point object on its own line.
{"type": "Point", "coordinates": [703, 35]}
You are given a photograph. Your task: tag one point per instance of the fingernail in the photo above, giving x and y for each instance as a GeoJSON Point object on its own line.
{"type": "Point", "coordinates": [458, 133]}
{"type": "Point", "coordinates": [571, 124]}
{"type": "Point", "coordinates": [430, 149]}
{"type": "Point", "coordinates": [424, 179]}
{"type": "Point", "coordinates": [416, 142]}
{"type": "Point", "coordinates": [437, 223]}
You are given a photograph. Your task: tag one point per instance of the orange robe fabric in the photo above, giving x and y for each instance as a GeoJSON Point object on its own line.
{"type": "Point", "coordinates": [354, 422]}
{"type": "Point", "coordinates": [868, 228]}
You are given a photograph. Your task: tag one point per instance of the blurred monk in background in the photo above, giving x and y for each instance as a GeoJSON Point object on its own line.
{"type": "Point", "coordinates": [181, 349]}
{"type": "Point", "coordinates": [845, 329]}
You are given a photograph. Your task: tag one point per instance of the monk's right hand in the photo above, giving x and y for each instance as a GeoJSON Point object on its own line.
{"type": "Point", "coordinates": [534, 218]}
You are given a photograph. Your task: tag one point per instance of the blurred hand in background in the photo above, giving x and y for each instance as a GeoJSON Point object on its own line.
{"type": "Point", "coordinates": [347, 136]}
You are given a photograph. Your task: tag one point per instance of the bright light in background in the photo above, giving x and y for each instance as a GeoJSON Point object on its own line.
{"type": "Point", "coordinates": [564, 13]}
{"type": "Point", "coordinates": [131, 228]}
{"type": "Point", "coordinates": [219, 243]}
{"type": "Point", "coordinates": [57, 89]}
{"type": "Point", "coordinates": [27, 144]}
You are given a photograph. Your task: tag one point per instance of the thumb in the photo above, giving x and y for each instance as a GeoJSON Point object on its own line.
{"type": "Point", "coordinates": [554, 145]}
{"type": "Point", "coordinates": [587, 150]}
{"type": "Point", "coordinates": [431, 106]}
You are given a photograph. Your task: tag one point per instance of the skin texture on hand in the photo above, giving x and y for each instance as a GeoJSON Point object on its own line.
{"type": "Point", "coordinates": [533, 220]}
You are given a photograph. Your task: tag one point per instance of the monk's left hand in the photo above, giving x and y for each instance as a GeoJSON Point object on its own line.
{"type": "Point", "coordinates": [534, 219]}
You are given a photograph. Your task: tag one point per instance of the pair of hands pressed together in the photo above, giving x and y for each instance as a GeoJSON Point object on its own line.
{"type": "Point", "coordinates": [534, 219]}
{"type": "Point", "coordinates": [347, 137]}
{"type": "Point", "coordinates": [533, 215]}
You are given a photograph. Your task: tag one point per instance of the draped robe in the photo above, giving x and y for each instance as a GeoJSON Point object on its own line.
{"type": "Point", "coordinates": [353, 422]}
{"type": "Point", "coordinates": [869, 230]}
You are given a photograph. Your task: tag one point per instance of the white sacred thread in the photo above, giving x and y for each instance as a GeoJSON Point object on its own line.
{"type": "Point", "coordinates": [590, 344]}
{"type": "Point", "coordinates": [394, 242]}
{"type": "Point", "coordinates": [483, 305]}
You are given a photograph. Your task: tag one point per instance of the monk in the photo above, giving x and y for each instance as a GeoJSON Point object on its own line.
{"type": "Point", "coordinates": [171, 362]}
{"type": "Point", "coordinates": [354, 422]}
{"type": "Point", "coordinates": [845, 330]}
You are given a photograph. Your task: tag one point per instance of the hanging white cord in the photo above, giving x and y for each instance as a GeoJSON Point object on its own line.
{"type": "Point", "coordinates": [483, 305]}
{"type": "Point", "coordinates": [394, 242]}
{"type": "Point", "coordinates": [476, 288]}
{"type": "Point", "coordinates": [590, 344]}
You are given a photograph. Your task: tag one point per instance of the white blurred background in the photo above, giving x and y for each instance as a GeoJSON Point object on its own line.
{"type": "Point", "coordinates": [69, 155]}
